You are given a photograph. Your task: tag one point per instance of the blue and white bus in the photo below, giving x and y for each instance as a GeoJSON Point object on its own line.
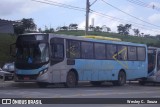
{"type": "Point", "coordinates": [153, 66]}
{"type": "Point", "coordinates": [55, 58]}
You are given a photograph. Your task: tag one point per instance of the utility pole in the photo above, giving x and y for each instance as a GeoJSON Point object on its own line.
{"type": "Point", "coordinates": [87, 16]}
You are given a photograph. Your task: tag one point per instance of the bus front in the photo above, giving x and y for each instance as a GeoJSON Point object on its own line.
{"type": "Point", "coordinates": [32, 58]}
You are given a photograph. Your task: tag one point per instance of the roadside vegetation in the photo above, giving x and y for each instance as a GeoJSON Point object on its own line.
{"type": "Point", "coordinates": [5, 41]}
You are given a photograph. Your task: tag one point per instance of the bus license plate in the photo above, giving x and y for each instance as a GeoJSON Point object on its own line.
{"type": "Point", "coordinates": [26, 78]}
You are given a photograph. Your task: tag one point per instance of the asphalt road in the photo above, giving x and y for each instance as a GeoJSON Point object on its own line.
{"type": "Point", "coordinates": [84, 90]}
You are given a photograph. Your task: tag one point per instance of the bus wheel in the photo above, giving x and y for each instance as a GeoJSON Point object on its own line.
{"type": "Point", "coordinates": [96, 83]}
{"type": "Point", "coordinates": [42, 84]}
{"type": "Point", "coordinates": [121, 79]}
{"type": "Point", "coordinates": [71, 81]}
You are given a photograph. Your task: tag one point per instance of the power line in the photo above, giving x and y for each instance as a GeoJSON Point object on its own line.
{"type": "Point", "coordinates": [65, 4]}
{"type": "Point", "coordinates": [94, 12]}
{"type": "Point", "coordinates": [60, 5]}
{"type": "Point", "coordinates": [143, 4]}
{"type": "Point", "coordinates": [122, 20]}
{"type": "Point", "coordinates": [130, 14]}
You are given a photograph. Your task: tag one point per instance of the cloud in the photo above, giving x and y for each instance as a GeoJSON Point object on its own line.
{"type": "Point", "coordinates": [155, 18]}
{"type": "Point", "coordinates": [10, 7]}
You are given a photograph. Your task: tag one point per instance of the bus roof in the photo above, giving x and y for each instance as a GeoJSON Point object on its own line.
{"type": "Point", "coordinates": [95, 40]}
{"type": "Point", "coordinates": [82, 38]}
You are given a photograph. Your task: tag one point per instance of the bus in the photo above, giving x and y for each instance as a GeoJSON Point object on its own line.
{"type": "Point", "coordinates": [57, 58]}
{"type": "Point", "coordinates": [153, 66]}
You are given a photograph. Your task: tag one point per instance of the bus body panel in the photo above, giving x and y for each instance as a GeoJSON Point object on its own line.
{"type": "Point", "coordinates": [90, 69]}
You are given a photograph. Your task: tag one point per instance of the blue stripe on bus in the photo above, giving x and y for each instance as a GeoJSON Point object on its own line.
{"type": "Point", "coordinates": [107, 69]}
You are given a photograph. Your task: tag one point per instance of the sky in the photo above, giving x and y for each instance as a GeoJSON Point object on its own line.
{"type": "Point", "coordinates": [139, 13]}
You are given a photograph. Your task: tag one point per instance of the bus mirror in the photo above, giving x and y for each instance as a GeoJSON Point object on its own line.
{"type": "Point", "coordinates": [13, 50]}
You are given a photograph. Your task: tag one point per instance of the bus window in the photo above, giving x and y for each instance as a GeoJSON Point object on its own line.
{"type": "Point", "coordinates": [158, 62]}
{"type": "Point", "coordinates": [122, 52]}
{"type": "Point", "coordinates": [99, 51]}
{"type": "Point", "coordinates": [73, 49]}
{"type": "Point", "coordinates": [87, 50]}
{"type": "Point", "coordinates": [111, 51]}
{"type": "Point", "coordinates": [141, 53]}
{"type": "Point", "coordinates": [151, 60]}
{"type": "Point", "coordinates": [132, 54]}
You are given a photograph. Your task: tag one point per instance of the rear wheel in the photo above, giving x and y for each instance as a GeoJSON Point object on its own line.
{"type": "Point", "coordinates": [121, 79]}
{"type": "Point", "coordinates": [71, 80]}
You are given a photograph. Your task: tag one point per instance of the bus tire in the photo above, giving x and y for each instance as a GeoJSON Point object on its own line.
{"type": "Point", "coordinates": [71, 81]}
{"type": "Point", "coordinates": [96, 83]}
{"type": "Point", "coordinates": [121, 79]}
{"type": "Point", "coordinates": [42, 84]}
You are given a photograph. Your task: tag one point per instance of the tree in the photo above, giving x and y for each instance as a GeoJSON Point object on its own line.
{"type": "Point", "coordinates": [29, 24]}
{"type": "Point", "coordinates": [18, 28]}
{"type": "Point", "coordinates": [73, 26]}
{"type": "Point", "coordinates": [142, 34]}
{"type": "Point", "coordinates": [136, 32]}
{"type": "Point", "coordinates": [25, 25]}
{"type": "Point", "coordinates": [124, 29]}
{"type": "Point", "coordinates": [91, 28]}
{"type": "Point", "coordinates": [97, 29]}
{"type": "Point", "coordinates": [64, 28]}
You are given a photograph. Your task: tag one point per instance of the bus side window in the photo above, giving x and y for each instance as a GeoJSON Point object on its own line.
{"type": "Point", "coordinates": [158, 62]}
{"type": "Point", "coordinates": [111, 51]}
{"type": "Point", "coordinates": [132, 53]}
{"type": "Point", "coordinates": [73, 49]}
{"type": "Point", "coordinates": [122, 52]}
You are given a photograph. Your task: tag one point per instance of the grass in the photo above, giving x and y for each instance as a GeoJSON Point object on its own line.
{"type": "Point", "coordinates": [5, 41]}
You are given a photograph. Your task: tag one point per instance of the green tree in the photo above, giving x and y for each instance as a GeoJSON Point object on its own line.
{"type": "Point", "coordinates": [28, 24]}
{"type": "Point", "coordinates": [64, 28]}
{"type": "Point", "coordinates": [124, 29]}
{"type": "Point", "coordinates": [18, 28]}
{"type": "Point", "coordinates": [136, 32]}
{"type": "Point", "coordinates": [98, 29]}
{"type": "Point", "coordinates": [73, 26]}
{"type": "Point", "coordinates": [25, 25]}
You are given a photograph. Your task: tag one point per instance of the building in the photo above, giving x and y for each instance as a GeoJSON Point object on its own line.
{"type": "Point", "coordinates": [6, 26]}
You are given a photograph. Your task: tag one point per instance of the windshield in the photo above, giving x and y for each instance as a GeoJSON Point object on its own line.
{"type": "Point", "coordinates": [33, 53]}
